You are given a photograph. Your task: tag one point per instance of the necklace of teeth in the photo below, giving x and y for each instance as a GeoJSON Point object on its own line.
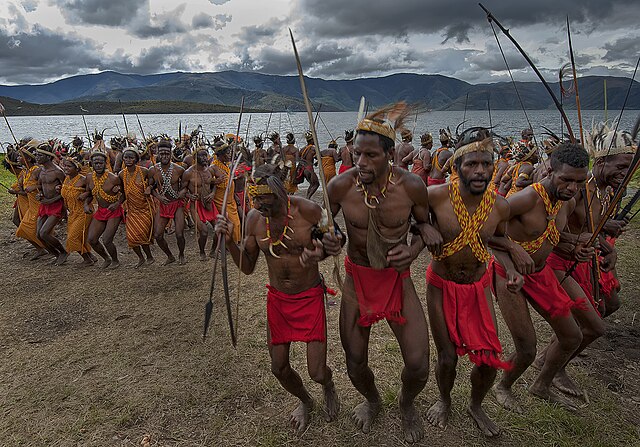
{"type": "Point", "coordinates": [370, 198]}
{"type": "Point", "coordinates": [279, 240]}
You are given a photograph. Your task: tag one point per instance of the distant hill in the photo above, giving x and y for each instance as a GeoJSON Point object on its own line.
{"type": "Point", "coordinates": [22, 108]}
{"type": "Point", "coordinates": [191, 91]}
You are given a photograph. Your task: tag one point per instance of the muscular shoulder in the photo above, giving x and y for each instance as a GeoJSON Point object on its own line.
{"type": "Point", "coordinates": [176, 167]}
{"type": "Point", "coordinates": [309, 210]}
{"type": "Point", "coordinates": [340, 185]}
{"type": "Point", "coordinates": [438, 193]}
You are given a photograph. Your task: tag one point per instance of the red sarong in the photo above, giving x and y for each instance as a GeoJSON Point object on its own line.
{"type": "Point", "coordinates": [168, 211]}
{"type": "Point", "coordinates": [436, 181]}
{"type": "Point", "coordinates": [608, 280]}
{"type": "Point", "coordinates": [581, 274]}
{"type": "Point", "coordinates": [379, 292]}
{"type": "Point", "coordinates": [469, 321]}
{"type": "Point", "coordinates": [343, 168]}
{"type": "Point", "coordinates": [545, 290]}
{"type": "Point", "coordinates": [299, 317]}
{"type": "Point", "coordinates": [53, 209]}
{"type": "Point", "coordinates": [103, 214]}
{"type": "Point", "coordinates": [204, 214]}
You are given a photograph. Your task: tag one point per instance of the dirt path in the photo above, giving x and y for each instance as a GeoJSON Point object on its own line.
{"type": "Point", "coordinates": [92, 357]}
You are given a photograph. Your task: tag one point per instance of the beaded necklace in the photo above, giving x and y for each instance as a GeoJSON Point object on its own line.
{"type": "Point", "coordinates": [284, 235]}
{"type": "Point", "coordinates": [167, 188]}
{"type": "Point", "coordinates": [98, 191]}
{"type": "Point", "coordinates": [369, 198]}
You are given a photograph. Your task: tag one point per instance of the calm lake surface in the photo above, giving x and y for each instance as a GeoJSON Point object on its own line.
{"type": "Point", "coordinates": [506, 122]}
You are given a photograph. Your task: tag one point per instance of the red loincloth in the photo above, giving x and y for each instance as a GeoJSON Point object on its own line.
{"type": "Point", "coordinates": [168, 211]}
{"type": "Point", "coordinates": [545, 290]}
{"type": "Point", "coordinates": [418, 169]}
{"type": "Point", "coordinates": [379, 292]}
{"type": "Point", "coordinates": [244, 204]}
{"type": "Point", "coordinates": [608, 280]}
{"type": "Point", "coordinates": [581, 274]}
{"type": "Point", "coordinates": [299, 317]}
{"type": "Point", "coordinates": [53, 209]}
{"type": "Point", "coordinates": [469, 321]}
{"type": "Point", "coordinates": [103, 214]}
{"type": "Point", "coordinates": [436, 181]}
{"type": "Point", "coordinates": [343, 168]}
{"type": "Point", "coordinates": [204, 214]}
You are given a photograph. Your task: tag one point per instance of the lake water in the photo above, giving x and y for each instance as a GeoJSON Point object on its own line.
{"type": "Point", "coordinates": [506, 122]}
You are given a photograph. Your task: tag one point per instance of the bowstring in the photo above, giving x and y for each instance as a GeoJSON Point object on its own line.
{"type": "Point", "coordinates": [524, 110]}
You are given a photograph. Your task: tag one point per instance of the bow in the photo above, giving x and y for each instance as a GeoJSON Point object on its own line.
{"type": "Point", "coordinates": [323, 181]}
{"type": "Point", "coordinates": [221, 248]}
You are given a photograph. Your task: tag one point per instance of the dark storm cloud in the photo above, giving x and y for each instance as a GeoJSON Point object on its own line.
{"type": "Point", "coordinates": [203, 20]}
{"type": "Point", "coordinates": [453, 18]}
{"type": "Point", "coordinates": [42, 54]}
{"type": "Point", "coordinates": [156, 25]}
{"type": "Point", "coordinates": [622, 49]}
{"type": "Point", "coordinates": [101, 12]}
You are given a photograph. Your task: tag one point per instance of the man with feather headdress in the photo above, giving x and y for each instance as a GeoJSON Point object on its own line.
{"type": "Point", "coordinates": [379, 201]}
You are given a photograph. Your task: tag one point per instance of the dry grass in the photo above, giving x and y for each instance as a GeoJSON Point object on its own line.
{"type": "Point", "coordinates": [103, 358]}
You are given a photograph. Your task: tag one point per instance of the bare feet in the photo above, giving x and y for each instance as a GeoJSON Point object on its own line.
{"type": "Point", "coordinates": [182, 260]}
{"type": "Point", "coordinates": [114, 265]}
{"type": "Point", "coordinates": [331, 402]}
{"type": "Point", "coordinates": [411, 422]}
{"type": "Point", "coordinates": [505, 397]}
{"type": "Point", "coordinates": [87, 262]}
{"type": "Point", "coordinates": [438, 414]}
{"type": "Point", "coordinates": [38, 254]}
{"type": "Point", "coordinates": [550, 396]}
{"type": "Point", "coordinates": [364, 414]}
{"type": "Point", "coordinates": [62, 258]}
{"type": "Point", "coordinates": [106, 263]}
{"type": "Point", "coordinates": [564, 383]}
{"type": "Point", "coordinates": [93, 257]}
{"type": "Point", "coordinates": [486, 425]}
{"type": "Point", "coordinates": [170, 260]}
{"type": "Point", "coordinates": [300, 417]}
{"type": "Point", "coordinates": [151, 260]}
{"type": "Point", "coordinates": [139, 264]}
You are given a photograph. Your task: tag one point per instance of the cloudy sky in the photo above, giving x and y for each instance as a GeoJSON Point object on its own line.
{"type": "Point", "coordinates": [45, 40]}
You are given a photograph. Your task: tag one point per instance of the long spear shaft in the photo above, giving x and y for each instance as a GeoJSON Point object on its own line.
{"type": "Point", "coordinates": [575, 83]}
{"type": "Point", "coordinates": [8, 125]}
{"type": "Point", "coordinates": [126, 128]}
{"type": "Point", "coordinates": [325, 195]}
{"type": "Point", "coordinates": [141, 130]}
{"type": "Point", "coordinates": [117, 128]}
{"type": "Point", "coordinates": [87, 129]}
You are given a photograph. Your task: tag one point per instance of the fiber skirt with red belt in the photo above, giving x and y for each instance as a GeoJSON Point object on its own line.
{"type": "Point", "coordinates": [168, 211]}
{"type": "Point", "coordinates": [204, 214]}
{"type": "Point", "coordinates": [581, 274]}
{"type": "Point", "coordinates": [545, 290]}
{"type": "Point", "coordinates": [104, 214]}
{"type": "Point", "coordinates": [299, 317]}
{"type": "Point", "coordinates": [53, 209]}
{"type": "Point", "coordinates": [468, 319]}
{"type": "Point", "coordinates": [379, 292]}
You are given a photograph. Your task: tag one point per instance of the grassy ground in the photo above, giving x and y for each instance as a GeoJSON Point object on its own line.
{"type": "Point", "coordinates": [103, 358]}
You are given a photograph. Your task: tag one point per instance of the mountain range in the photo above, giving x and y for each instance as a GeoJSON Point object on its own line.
{"type": "Point", "coordinates": [222, 91]}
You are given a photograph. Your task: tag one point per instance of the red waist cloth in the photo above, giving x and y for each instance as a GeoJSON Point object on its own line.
{"type": "Point", "coordinates": [204, 214]}
{"type": "Point", "coordinates": [103, 214]}
{"type": "Point", "coordinates": [344, 168]}
{"type": "Point", "coordinates": [53, 209]}
{"type": "Point", "coordinates": [436, 181]}
{"type": "Point", "coordinates": [418, 169]}
{"type": "Point", "coordinates": [244, 204]}
{"type": "Point", "coordinates": [299, 317]}
{"type": "Point", "coordinates": [469, 319]}
{"type": "Point", "coordinates": [581, 274]}
{"type": "Point", "coordinates": [608, 283]}
{"type": "Point", "coordinates": [379, 292]}
{"type": "Point", "coordinates": [168, 211]}
{"type": "Point", "coordinates": [545, 290]}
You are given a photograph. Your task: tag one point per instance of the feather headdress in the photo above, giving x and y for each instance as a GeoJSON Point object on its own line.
{"type": "Point", "coordinates": [603, 141]}
{"type": "Point", "coordinates": [386, 121]}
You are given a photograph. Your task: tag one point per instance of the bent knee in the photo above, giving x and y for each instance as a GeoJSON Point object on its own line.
{"type": "Point", "coordinates": [280, 370]}
{"type": "Point", "coordinates": [571, 340]}
{"type": "Point", "coordinates": [319, 374]}
{"type": "Point", "coordinates": [447, 359]}
{"type": "Point", "coordinates": [526, 353]}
